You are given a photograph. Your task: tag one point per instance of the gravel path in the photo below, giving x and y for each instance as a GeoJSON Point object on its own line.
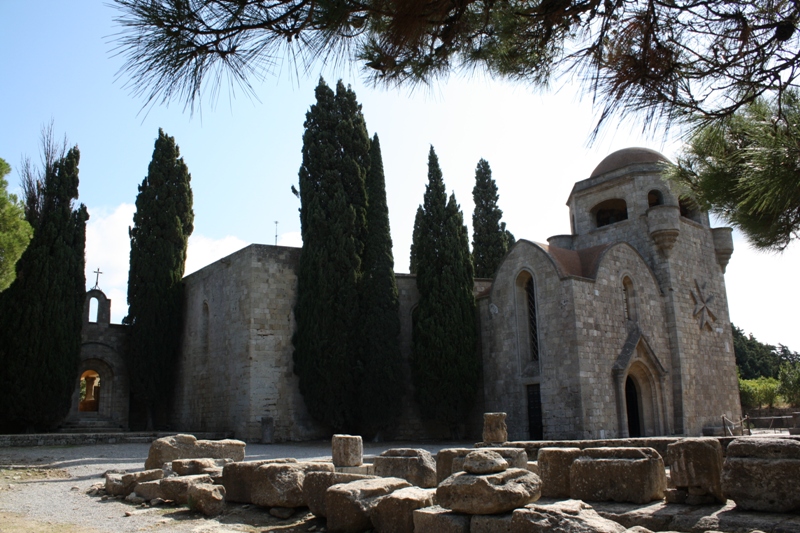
{"type": "Point", "coordinates": [44, 489]}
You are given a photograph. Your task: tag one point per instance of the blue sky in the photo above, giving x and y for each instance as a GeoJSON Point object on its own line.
{"type": "Point", "coordinates": [58, 63]}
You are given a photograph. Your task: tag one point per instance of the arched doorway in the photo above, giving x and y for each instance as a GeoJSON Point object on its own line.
{"type": "Point", "coordinates": [640, 385]}
{"type": "Point", "coordinates": [632, 400]}
{"type": "Point", "coordinates": [89, 392]}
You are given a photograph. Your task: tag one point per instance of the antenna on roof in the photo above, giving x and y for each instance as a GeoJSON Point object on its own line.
{"type": "Point", "coordinates": [276, 233]}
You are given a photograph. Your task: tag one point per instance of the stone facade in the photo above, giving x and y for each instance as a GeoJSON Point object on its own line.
{"type": "Point", "coordinates": [618, 329]}
{"type": "Point", "coordinates": [101, 354]}
{"type": "Point", "coordinates": [631, 335]}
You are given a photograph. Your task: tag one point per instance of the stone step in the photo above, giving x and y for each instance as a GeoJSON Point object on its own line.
{"type": "Point", "coordinates": [90, 425]}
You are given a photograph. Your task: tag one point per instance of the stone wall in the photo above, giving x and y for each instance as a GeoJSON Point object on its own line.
{"type": "Point", "coordinates": [236, 369]}
{"type": "Point", "coordinates": [507, 363]}
{"type": "Point", "coordinates": [603, 332]}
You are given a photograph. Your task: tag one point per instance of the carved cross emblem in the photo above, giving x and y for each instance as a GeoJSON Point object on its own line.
{"type": "Point", "coordinates": [702, 305]}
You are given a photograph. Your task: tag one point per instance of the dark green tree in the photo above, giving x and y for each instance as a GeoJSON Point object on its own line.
{"type": "Point", "coordinates": [444, 363]}
{"type": "Point", "coordinates": [15, 232]}
{"type": "Point", "coordinates": [746, 169]}
{"type": "Point", "coordinates": [41, 312]}
{"type": "Point", "coordinates": [162, 225]}
{"type": "Point", "coordinates": [490, 239]}
{"type": "Point", "coordinates": [754, 359]}
{"type": "Point", "coordinates": [327, 347]}
{"type": "Point", "coordinates": [381, 387]}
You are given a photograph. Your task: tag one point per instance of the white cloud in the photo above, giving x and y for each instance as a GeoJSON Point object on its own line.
{"type": "Point", "coordinates": [203, 250]}
{"type": "Point", "coordinates": [290, 238]}
{"type": "Point", "coordinates": [108, 248]}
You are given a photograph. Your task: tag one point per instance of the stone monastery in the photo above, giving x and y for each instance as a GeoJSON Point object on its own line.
{"type": "Point", "coordinates": [619, 329]}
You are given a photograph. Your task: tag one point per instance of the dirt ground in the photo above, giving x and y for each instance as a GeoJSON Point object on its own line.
{"type": "Point", "coordinates": [45, 490]}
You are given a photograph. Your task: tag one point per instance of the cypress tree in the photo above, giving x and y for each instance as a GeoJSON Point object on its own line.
{"type": "Point", "coordinates": [490, 239]}
{"type": "Point", "coordinates": [444, 362]}
{"type": "Point", "coordinates": [162, 225]}
{"type": "Point", "coordinates": [333, 227]}
{"type": "Point", "coordinates": [381, 389]}
{"type": "Point", "coordinates": [41, 312]}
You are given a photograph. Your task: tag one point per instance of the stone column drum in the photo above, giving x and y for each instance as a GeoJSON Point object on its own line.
{"type": "Point", "coordinates": [495, 430]}
{"type": "Point", "coordinates": [347, 450]}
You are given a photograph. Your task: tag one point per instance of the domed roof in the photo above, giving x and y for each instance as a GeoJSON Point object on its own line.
{"type": "Point", "coordinates": [627, 156]}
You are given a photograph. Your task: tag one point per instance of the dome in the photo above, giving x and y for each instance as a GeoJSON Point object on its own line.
{"type": "Point", "coordinates": [627, 156]}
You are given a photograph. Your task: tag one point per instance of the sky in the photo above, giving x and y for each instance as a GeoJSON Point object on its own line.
{"type": "Point", "coordinates": [59, 64]}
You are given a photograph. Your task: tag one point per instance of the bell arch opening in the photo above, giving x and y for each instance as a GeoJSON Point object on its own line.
{"type": "Point", "coordinates": [94, 309]}
{"type": "Point", "coordinates": [610, 212]}
{"type": "Point", "coordinates": [655, 198]}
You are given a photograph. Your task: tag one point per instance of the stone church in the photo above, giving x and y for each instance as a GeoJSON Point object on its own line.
{"type": "Point", "coordinates": [620, 328]}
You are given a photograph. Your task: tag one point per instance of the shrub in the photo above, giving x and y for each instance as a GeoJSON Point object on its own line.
{"type": "Point", "coordinates": [747, 393]}
{"type": "Point", "coordinates": [766, 391]}
{"type": "Point", "coordinates": [789, 383]}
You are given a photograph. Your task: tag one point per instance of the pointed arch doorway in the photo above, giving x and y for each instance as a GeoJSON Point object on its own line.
{"type": "Point", "coordinates": [640, 383]}
{"type": "Point", "coordinates": [632, 400]}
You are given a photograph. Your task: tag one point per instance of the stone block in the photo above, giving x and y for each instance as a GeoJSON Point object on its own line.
{"type": "Point", "coordinates": [480, 462]}
{"type": "Point", "coordinates": [124, 484]}
{"type": "Point", "coordinates": [533, 466]}
{"type": "Point", "coordinates": [697, 464]}
{"type": "Point", "coordinates": [364, 470]}
{"type": "Point", "coordinates": [444, 462]}
{"type": "Point", "coordinates": [167, 449]}
{"type": "Point", "coordinates": [191, 467]}
{"type": "Point", "coordinates": [570, 516]}
{"type": "Point", "coordinates": [347, 450]}
{"type": "Point", "coordinates": [316, 485]}
{"type": "Point", "coordinates": [495, 430]}
{"type": "Point", "coordinates": [150, 490]}
{"type": "Point", "coordinates": [451, 460]}
{"type": "Point", "coordinates": [488, 494]}
{"type": "Point", "coordinates": [554, 465]}
{"type": "Point", "coordinates": [239, 478]}
{"type": "Point", "coordinates": [177, 488]}
{"type": "Point", "coordinates": [414, 465]}
{"type": "Point", "coordinates": [349, 505]}
{"type": "Point", "coordinates": [493, 523]}
{"type": "Point", "coordinates": [439, 520]}
{"type": "Point", "coordinates": [206, 498]}
{"type": "Point", "coordinates": [763, 474]}
{"type": "Point", "coordinates": [281, 485]}
{"type": "Point", "coordinates": [394, 513]}
{"type": "Point", "coordinates": [618, 479]}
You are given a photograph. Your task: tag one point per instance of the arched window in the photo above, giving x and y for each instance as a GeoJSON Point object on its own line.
{"type": "Point", "coordinates": [204, 329]}
{"type": "Point", "coordinates": [527, 323]}
{"type": "Point", "coordinates": [654, 198]}
{"type": "Point", "coordinates": [533, 329]}
{"type": "Point", "coordinates": [610, 212]}
{"type": "Point", "coordinates": [689, 209]}
{"type": "Point", "coordinates": [629, 298]}
{"type": "Point", "coordinates": [94, 309]}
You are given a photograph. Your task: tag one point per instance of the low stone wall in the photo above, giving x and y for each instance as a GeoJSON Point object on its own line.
{"type": "Point", "coordinates": [659, 444]}
{"type": "Point", "coordinates": [81, 439]}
